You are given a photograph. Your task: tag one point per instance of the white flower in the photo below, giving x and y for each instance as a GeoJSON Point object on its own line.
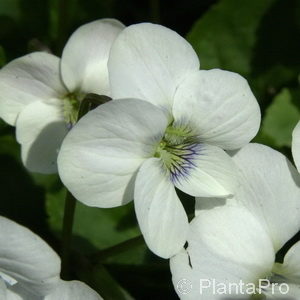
{"type": "Point", "coordinates": [29, 268]}
{"type": "Point", "coordinates": [174, 138]}
{"type": "Point", "coordinates": [238, 243]}
{"type": "Point", "coordinates": [40, 94]}
{"type": "Point", "coordinates": [296, 145]}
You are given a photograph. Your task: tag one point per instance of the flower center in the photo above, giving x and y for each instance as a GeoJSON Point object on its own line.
{"type": "Point", "coordinates": [177, 150]}
{"type": "Point", "coordinates": [71, 103]}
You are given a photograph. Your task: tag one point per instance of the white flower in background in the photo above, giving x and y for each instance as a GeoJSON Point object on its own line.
{"type": "Point", "coordinates": [40, 93]}
{"type": "Point", "coordinates": [296, 146]}
{"type": "Point", "coordinates": [238, 243]}
{"type": "Point", "coordinates": [29, 268]}
{"type": "Point", "coordinates": [172, 135]}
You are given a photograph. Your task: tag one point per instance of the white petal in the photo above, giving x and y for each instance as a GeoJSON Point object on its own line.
{"type": "Point", "coordinates": [290, 268]}
{"type": "Point", "coordinates": [17, 293]}
{"type": "Point", "coordinates": [13, 296]}
{"type": "Point", "coordinates": [148, 61]}
{"type": "Point", "coordinates": [2, 290]}
{"type": "Point", "coordinates": [160, 214]}
{"type": "Point", "coordinates": [73, 290]}
{"type": "Point", "coordinates": [40, 130]}
{"type": "Point", "coordinates": [270, 188]}
{"type": "Point", "coordinates": [288, 291]}
{"type": "Point", "coordinates": [202, 203]}
{"type": "Point", "coordinates": [226, 244]}
{"type": "Point", "coordinates": [296, 146]}
{"type": "Point", "coordinates": [100, 155]}
{"type": "Point", "coordinates": [220, 106]}
{"type": "Point", "coordinates": [85, 56]}
{"type": "Point", "coordinates": [28, 259]}
{"type": "Point", "coordinates": [186, 284]}
{"type": "Point", "coordinates": [213, 174]}
{"type": "Point", "coordinates": [33, 77]}
{"type": "Point", "coordinates": [5, 293]}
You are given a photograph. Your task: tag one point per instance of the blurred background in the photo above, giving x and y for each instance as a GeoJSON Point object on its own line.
{"type": "Point", "coordinates": [259, 39]}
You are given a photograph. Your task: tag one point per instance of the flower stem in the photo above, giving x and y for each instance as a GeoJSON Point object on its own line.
{"type": "Point", "coordinates": [89, 102]}
{"type": "Point", "coordinates": [102, 255]}
{"type": "Point", "coordinates": [70, 204]}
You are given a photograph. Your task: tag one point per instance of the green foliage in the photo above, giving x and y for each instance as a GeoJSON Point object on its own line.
{"type": "Point", "coordinates": [10, 8]}
{"type": "Point", "coordinates": [225, 36]}
{"type": "Point", "coordinates": [94, 228]}
{"type": "Point", "coordinates": [260, 39]}
{"type": "Point", "coordinates": [8, 144]}
{"type": "Point", "coordinates": [280, 119]}
{"type": "Point", "coordinates": [100, 280]}
{"type": "Point", "coordinates": [2, 57]}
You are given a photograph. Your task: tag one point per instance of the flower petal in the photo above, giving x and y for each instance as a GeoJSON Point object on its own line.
{"type": "Point", "coordinates": [33, 77]}
{"type": "Point", "coordinates": [28, 259]}
{"type": "Point", "coordinates": [289, 291]}
{"type": "Point", "coordinates": [212, 174]}
{"type": "Point", "coordinates": [184, 280]}
{"type": "Point", "coordinates": [2, 290]}
{"type": "Point", "coordinates": [202, 203]}
{"type": "Point", "coordinates": [101, 154]}
{"type": "Point", "coordinates": [73, 290]}
{"type": "Point", "coordinates": [148, 61]}
{"type": "Point", "coordinates": [270, 188]}
{"type": "Point", "coordinates": [85, 56]}
{"type": "Point", "coordinates": [10, 295]}
{"type": "Point", "coordinates": [296, 146]}
{"type": "Point", "coordinates": [40, 130]}
{"type": "Point", "coordinates": [161, 216]}
{"type": "Point", "coordinates": [220, 105]}
{"type": "Point", "coordinates": [226, 244]}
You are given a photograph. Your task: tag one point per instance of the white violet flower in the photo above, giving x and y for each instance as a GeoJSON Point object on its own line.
{"type": "Point", "coordinates": [40, 93]}
{"type": "Point", "coordinates": [231, 249]}
{"type": "Point", "coordinates": [169, 132]}
{"type": "Point", "coordinates": [29, 268]}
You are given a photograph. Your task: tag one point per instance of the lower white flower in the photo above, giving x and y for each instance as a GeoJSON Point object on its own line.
{"type": "Point", "coordinates": [236, 244]}
{"type": "Point", "coordinates": [231, 254]}
{"type": "Point", "coordinates": [29, 268]}
{"type": "Point", "coordinates": [296, 145]}
{"type": "Point", "coordinates": [40, 94]}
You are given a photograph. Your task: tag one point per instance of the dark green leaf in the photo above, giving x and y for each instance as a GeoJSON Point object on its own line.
{"type": "Point", "coordinates": [225, 36]}
{"type": "Point", "coordinates": [94, 228]}
{"type": "Point", "coordinates": [280, 119]}
{"type": "Point", "coordinates": [10, 8]}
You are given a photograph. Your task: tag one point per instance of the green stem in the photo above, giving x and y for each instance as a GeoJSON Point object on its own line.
{"type": "Point", "coordinates": [70, 204]}
{"type": "Point", "coordinates": [117, 249]}
{"type": "Point", "coordinates": [89, 102]}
